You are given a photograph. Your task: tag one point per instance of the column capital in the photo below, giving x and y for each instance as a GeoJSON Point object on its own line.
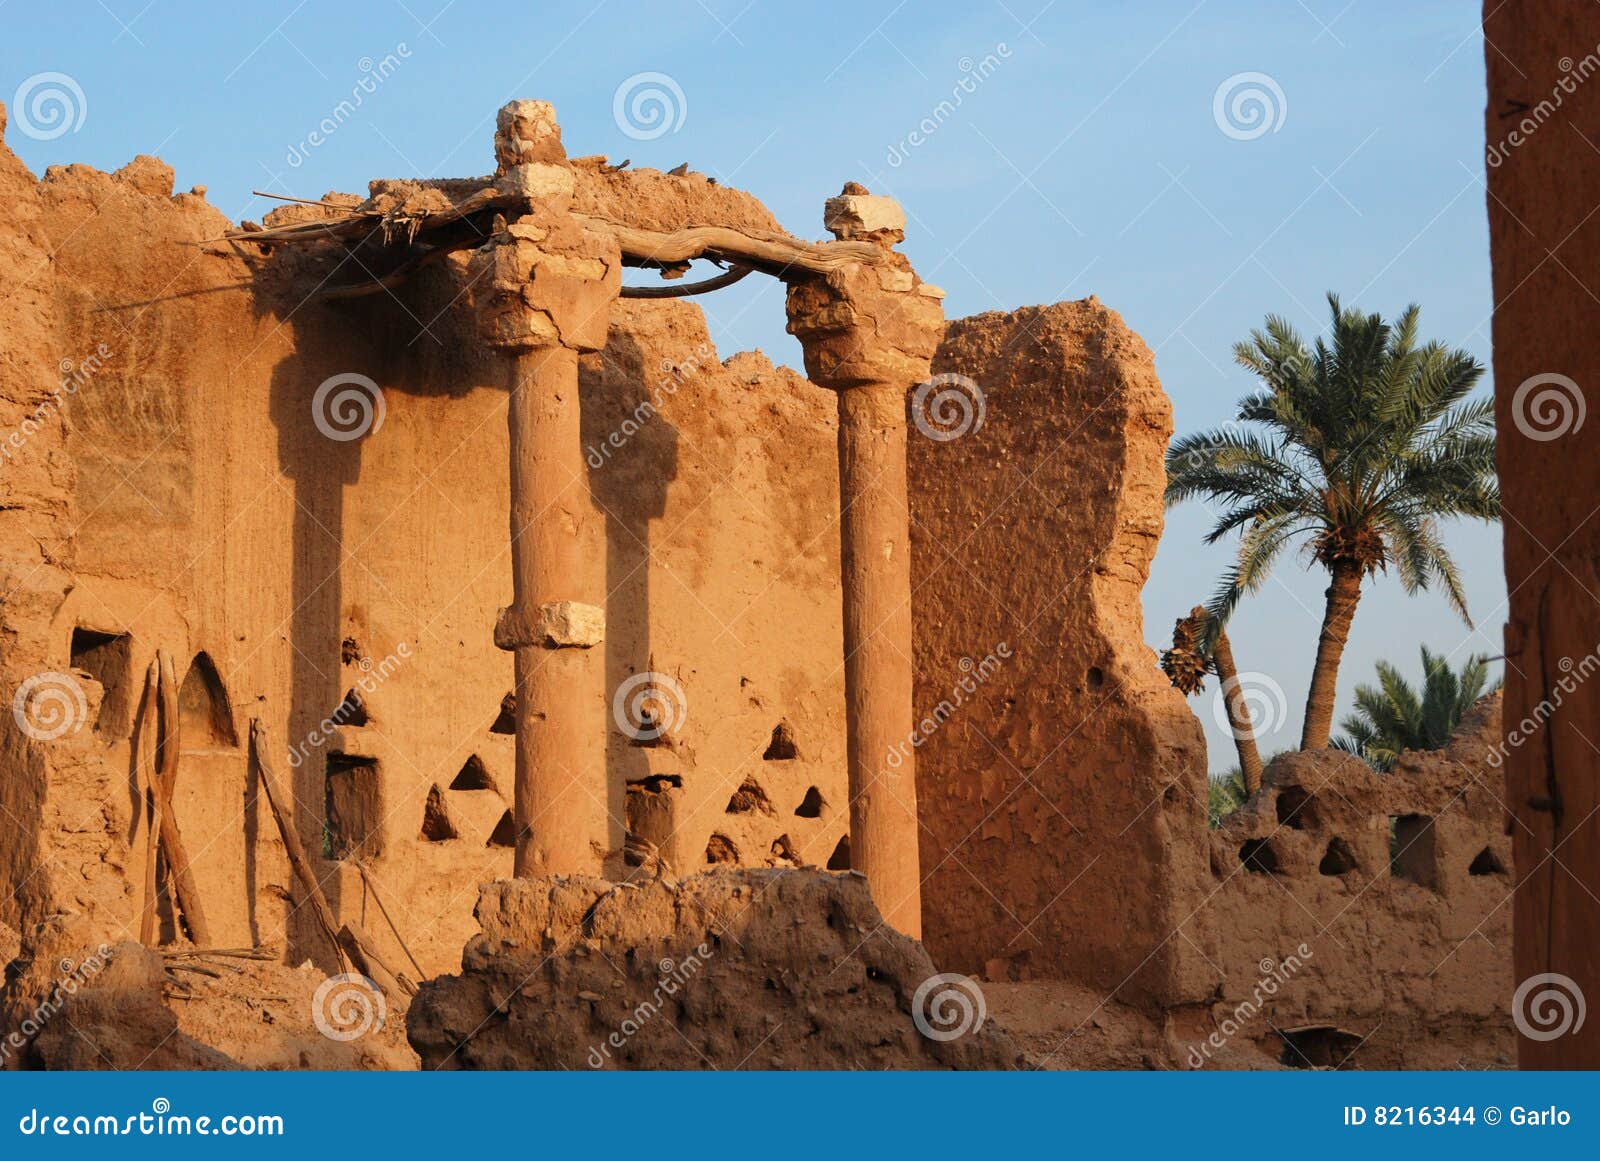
{"type": "Point", "coordinates": [543, 279]}
{"type": "Point", "coordinates": [866, 323]}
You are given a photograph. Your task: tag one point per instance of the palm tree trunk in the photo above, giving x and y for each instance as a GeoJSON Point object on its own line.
{"type": "Point", "coordinates": [1244, 731]}
{"type": "Point", "coordinates": [1344, 591]}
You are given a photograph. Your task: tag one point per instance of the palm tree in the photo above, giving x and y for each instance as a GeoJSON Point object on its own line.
{"type": "Point", "coordinates": [1225, 793]}
{"type": "Point", "coordinates": [1364, 442]}
{"type": "Point", "coordinates": [1187, 664]}
{"type": "Point", "coordinates": [1391, 717]}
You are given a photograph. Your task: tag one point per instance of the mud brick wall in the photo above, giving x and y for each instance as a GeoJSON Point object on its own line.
{"type": "Point", "coordinates": [1062, 801]}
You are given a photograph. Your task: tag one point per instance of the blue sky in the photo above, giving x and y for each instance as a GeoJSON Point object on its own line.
{"type": "Point", "coordinates": [1088, 159]}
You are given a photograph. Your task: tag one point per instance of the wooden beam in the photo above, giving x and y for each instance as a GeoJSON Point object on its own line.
{"type": "Point", "coordinates": [773, 253]}
{"type": "Point", "coordinates": [703, 287]}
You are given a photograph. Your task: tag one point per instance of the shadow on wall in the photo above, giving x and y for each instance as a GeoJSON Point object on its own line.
{"type": "Point", "coordinates": [325, 401]}
{"type": "Point", "coordinates": [630, 491]}
{"type": "Point", "coordinates": [320, 469]}
{"type": "Point", "coordinates": [322, 407]}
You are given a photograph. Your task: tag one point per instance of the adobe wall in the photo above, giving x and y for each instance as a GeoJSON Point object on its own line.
{"type": "Point", "coordinates": [200, 508]}
{"type": "Point", "coordinates": [115, 415]}
{"type": "Point", "coordinates": [178, 493]}
{"type": "Point", "coordinates": [1063, 800]}
{"type": "Point", "coordinates": [1362, 920]}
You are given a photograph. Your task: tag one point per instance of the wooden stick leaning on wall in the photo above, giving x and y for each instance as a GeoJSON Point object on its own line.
{"type": "Point", "coordinates": [350, 942]}
{"type": "Point", "coordinates": [370, 880]}
{"type": "Point", "coordinates": [291, 839]}
{"type": "Point", "coordinates": [166, 783]}
{"type": "Point", "coordinates": [146, 777]}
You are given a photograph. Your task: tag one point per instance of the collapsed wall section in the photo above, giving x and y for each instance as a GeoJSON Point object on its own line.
{"type": "Point", "coordinates": [1062, 795]}
{"type": "Point", "coordinates": [728, 969]}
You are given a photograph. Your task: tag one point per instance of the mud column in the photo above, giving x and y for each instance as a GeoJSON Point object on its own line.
{"type": "Point", "coordinates": [869, 332]}
{"type": "Point", "coordinates": [544, 285]}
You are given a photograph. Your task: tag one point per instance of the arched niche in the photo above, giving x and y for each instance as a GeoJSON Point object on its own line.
{"type": "Point", "coordinates": [204, 712]}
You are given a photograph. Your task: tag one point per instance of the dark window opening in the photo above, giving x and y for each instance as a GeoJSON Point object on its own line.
{"type": "Point", "coordinates": [1320, 1047]}
{"type": "Point", "coordinates": [657, 783]}
{"type": "Point", "coordinates": [1338, 859]}
{"type": "Point", "coordinates": [108, 658]}
{"type": "Point", "coordinates": [1485, 863]}
{"type": "Point", "coordinates": [505, 832]}
{"type": "Point", "coordinates": [436, 824]}
{"type": "Point", "coordinates": [354, 807]}
{"type": "Point", "coordinates": [750, 797]}
{"type": "Point", "coordinates": [352, 711]}
{"type": "Point", "coordinates": [1258, 856]}
{"type": "Point", "coordinates": [506, 723]}
{"type": "Point", "coordinates": [1297, 808]}
{"type": "Point", "coordinates": [473, 775]}
{"type": "Point", "coordinates": [1411, 850]}
{"type": "Point", "coordinates": [203, 709]}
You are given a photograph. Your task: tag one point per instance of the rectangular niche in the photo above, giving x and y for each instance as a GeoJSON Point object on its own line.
{"type": "Point", "coordinates": [1411, 850]}
{"type": "Point", "coordinates": [354, 807]}
{"type": "Point", "coordinates": [108, 658]}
